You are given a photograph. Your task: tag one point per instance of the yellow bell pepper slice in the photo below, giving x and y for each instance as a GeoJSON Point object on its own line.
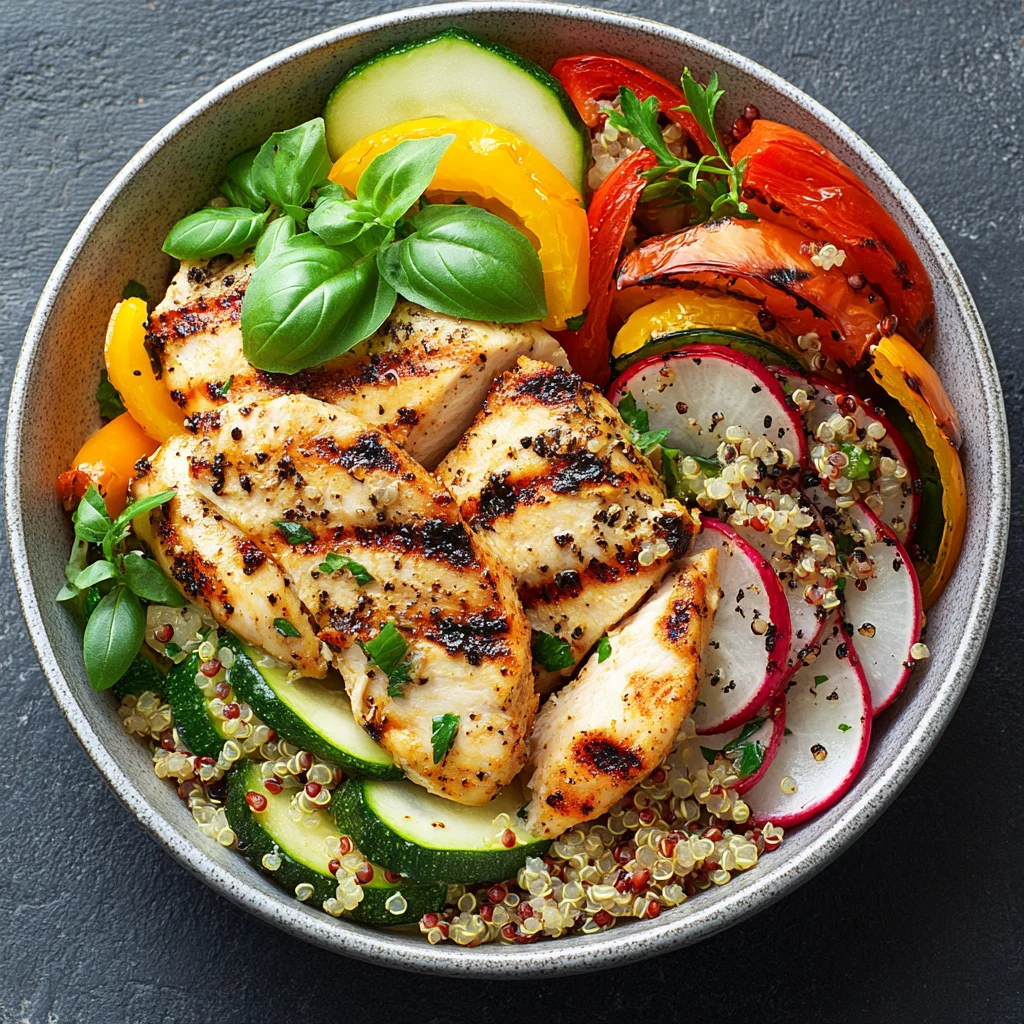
{"type": "Point", "coordinates": [144, 396]}
{"type": "Point", "coordinates": [695, 311]}
{"type": "Point", "coordinates": [905, 375]}
{"type": "Point", "coordinates": [107, 459]}
{"type": "Point", "coordinates": [503, 173]}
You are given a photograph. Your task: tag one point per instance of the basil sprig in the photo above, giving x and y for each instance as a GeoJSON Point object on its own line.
{"type": "Point", "coordinates": [116, 625]}
{"type": "Point", "coordinates": [330, 266]}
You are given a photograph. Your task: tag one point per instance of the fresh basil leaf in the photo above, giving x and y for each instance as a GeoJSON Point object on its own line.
{"type": "Point", "coordinates": [466, 262]}
{"type": "Point", "coordinates": [338, 221]}
{"type": "Point", "coordinates": [633, 415]}
{"type": "Point", "coordinates": [278, 232]}
{"type": "Point", "coordinates": [134, 290]}
{"type": "Point", "coordinates": [107, 398]}
{"type": "Point", "coordinates": [333, 562]}
{"type": "Point", "coordinates": [285, 628]}
{"type": "Point", "coordinates": [443, 731]}
{"type": "Point", "coordinates": [214, 230]}
{"type": "Point", "coordinates": [238, 186]}
{"type": "Point", "coordinates": [146, 579]}
{"type": "Point", "coordinates": [396, 179]}
{"type": "Point", "coordinates": [551, 652]}
{"type": "Point", "coordinates": [113, 636]}
{"type": "Point", "coordinates": [309, 302]}
{"type": "Point", "coordinates": [67, 593]}
{"type": "Point", "coordinates": [604, 649]}
{"type": "Point", "coordinates": [290, 163]}
{"type": "Point", "coordinates": [138, 508]}
{"type": "Point", "coordinates": [294, 533]}
{"type": "Point", "coordinates": [90, 517]}
{"type": "Point", "coordinates": [95, 573]}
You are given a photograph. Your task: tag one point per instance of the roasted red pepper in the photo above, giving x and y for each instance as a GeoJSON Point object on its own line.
{"type": "Point", "coordinates": [767, 263]}
{"type": "Point", "coordinates": [788, 175]}
{"type": "Point", "coordinates": [609, 216]}
{"type": "Point", "coordinates": [598, 76]}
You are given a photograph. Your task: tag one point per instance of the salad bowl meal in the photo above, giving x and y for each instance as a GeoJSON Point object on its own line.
{"type": "Point", "coordinates": [522, 519]}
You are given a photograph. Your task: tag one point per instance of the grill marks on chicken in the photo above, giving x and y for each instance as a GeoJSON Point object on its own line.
{"type": "Point", "coordinates": [215, 564]}
{"type": "Point", "coordinates": [614, 724]}
{"type": "Point", "coordinates": [553, 487]}
{"type": "Point", "coordinates": [421, 377]}
{"type": "Point", "coordinates": [353, 491]}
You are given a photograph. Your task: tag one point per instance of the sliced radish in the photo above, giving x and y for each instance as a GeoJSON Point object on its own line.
{"type": "Point", "coordinates": [900, 501]}
{"type": "Point", "coordinates": [768, 735]}
{"type": "Point", "coordinates": [884, 619]}
{"type": "Point", "coordinates": [746, 659]}
{"type": "Point", "coordinates": [828, 727]}
{"type": "Point", "coordinates": [697, 392]}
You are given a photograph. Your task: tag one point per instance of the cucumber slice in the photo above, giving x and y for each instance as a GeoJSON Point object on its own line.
{"type": "Point", "coordinates": [750, 345]}
{"type": "Point", "coordinates": [457, 75]}
{"type": "Point", "coordinates": [199, 730]}
{"type": "Point", "coordinates": [414, 833]}
{"type": "Point", "coordinates": [314, 714]}
{"type": "Point", "coordinates": [301, 846]}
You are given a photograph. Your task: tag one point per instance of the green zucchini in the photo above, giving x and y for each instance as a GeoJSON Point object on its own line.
{"type": "Point", "coordinates": [303, 853]}
{"type": "Point", "coordinates": [143, 674]}
{"type": "Point", "coordinates": [456, 75]}
{"type": "Point", "coordinates": [200, 731]}
{"type": "Point", "coordinates": [749, 344]}
{"type": "Point", "coordinates": [314, 714]}
{"type": "Point", "coordinates": [414, 833]}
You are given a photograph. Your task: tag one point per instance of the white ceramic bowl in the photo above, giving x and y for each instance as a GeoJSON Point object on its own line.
{"type": "Point", "coordinates": [52, 399]}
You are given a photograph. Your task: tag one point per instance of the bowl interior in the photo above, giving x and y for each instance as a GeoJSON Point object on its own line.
{"type": "Point", "coordinates": [52, 411]}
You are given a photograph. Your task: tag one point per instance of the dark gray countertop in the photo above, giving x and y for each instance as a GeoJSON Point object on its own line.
{"type": "Point", "coordinates": [922, 920]}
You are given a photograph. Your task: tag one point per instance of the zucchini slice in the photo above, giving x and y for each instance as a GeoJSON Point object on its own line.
{"type": "Point", "coordinates": [143, 674]}
{"type": "Point", "coordinates": [750, 345]}
{"type": "Point", "coordinates": [301, 847]}
{"type": "Point", "coordinates": [414, 833]}
{"type": "Point", "coordinates": [199, 730]}
{"type": "Point", "coordinates": [314, 714]}
{"type": "Point", "coordinates": [456, 75]}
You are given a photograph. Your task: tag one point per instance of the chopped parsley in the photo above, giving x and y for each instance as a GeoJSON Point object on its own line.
{"type": "Point", "coordinates": [442, 734]}
{"type": "Point", "coordinates": [387, 651]}
{"type": "Point", "coordinates": [285, 628]}
{"type": "Point", "coordinates": [294, 533]}
{"type": "Point", "coordinates": [108, 398]}
{"type": "Point", "coordinates": [818, 680]}
{"type": "Point", "coordinates": [604, 649]}
{"type": "Point", "coordinates": [844, 727]}
{"type": "Point", "coordinates": [746, 756]}
{"type": "Point", "coordinates": [333, 562]}
{"type": "Point", "coordinates": [859, 463]}
{"type": "Point", "coordinates": [551, 652]}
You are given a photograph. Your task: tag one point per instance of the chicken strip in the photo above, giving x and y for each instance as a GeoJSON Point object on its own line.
{"type": "Point", "coordinates": [553, 486]}
{"type": "Point", "coordinates": [615, 723]}
{"type": "Point", "coordinates": [303, 480]}
{"type": "Point", "coordinates": [214, 563]}
{"type": "Point", "coordinates": [422, 376]}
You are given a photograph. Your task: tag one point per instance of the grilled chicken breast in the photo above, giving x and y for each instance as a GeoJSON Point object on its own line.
{"type": "Point", "coordinates": [422, 376]}
{"type": "Point", "coordinates": [215, 564]}
{"type": "Point", "coordinates": [301, 479]}
{"type": "Point", "coordinates": [551, 483]}
{"type": "Point", "coordinates": [615, 723]}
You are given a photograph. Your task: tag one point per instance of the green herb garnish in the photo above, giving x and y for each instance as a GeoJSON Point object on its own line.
{"type": "Point", "coordinates": [221, 390]}
{"type": "Point", "coordinates": [746, 756]}
{"type": "Point", "coordinates": [285, 628]}
{"type": "Point", "coordinates": [134, 290]}
{"type": "Point", "coordinates": [551, 652]}
{"type": "Point", "coordinates": [860, 464]}
{"type": "Point", "coordinates": [639, 425]}
{"type": "Point", "coordinates": [818, 680]}
{"type": "Point", "coordinates": [844, 727]}
{"type": "Point", "coordinates": [442, 734]}
{"type": "Point", "coordinates": [604, 649]}
{"type": "Point", "coordinates": [108, 398]}
{"type": "Point", "coordinates": [294, 533]}
{"type": "Point", "coordinates": [387, 651]}
{"type": "Point", "coordinates": [333, 562]}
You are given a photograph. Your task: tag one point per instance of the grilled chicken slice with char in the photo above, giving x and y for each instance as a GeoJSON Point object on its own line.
{"type": "Point", "coordinates": [215, 564]}
{"type": "Point", "coordinates": [422, 376]}
{"type": "Point", "coordinates": [353, 491]}
{"type": "Point", "coordinates": [617, 720]}
{"type": "Point", "coordinates": [550, 481]}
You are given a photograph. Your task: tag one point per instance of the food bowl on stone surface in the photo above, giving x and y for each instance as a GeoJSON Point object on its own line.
{"type": "Point", "coordinates": [176, 171]}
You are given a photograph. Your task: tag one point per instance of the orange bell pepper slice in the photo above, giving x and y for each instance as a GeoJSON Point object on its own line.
{"type": "Point", "coordinates": [144, 395]}
{"type": "Point", "coordinates": [107, 459]}
{"type": "Point", "coordinates": [497, 167]}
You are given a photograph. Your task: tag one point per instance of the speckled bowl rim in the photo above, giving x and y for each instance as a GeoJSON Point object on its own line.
{"type": "Point", "coordinates": [620, 946]}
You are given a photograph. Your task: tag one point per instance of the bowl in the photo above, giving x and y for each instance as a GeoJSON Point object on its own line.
{"type": "Point", "coordinates": [120, 239]}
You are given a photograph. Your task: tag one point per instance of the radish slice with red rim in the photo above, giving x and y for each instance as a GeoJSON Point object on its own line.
{"type": "Point", "coordinates": [825, 740]}
{"type": "Point", "coordinates": [897, 491]}
{"type": "Point", "coordinates": [696, 393]}
{"type": "Point", "coordinates": [883, 619]}
{"type": "Point", "coordinates": [745, 663]}
{"type": "Point", "coordinates": [752, 747]}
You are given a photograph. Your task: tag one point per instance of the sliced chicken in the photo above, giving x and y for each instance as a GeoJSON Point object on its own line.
{"type": "Point", "coordinates": [551, 483]}
{"type": "Point", "coordinates": [615, 723]}
{"type": "Point", "coordinates": [301, 480]}
{"type": "Point", "coordinates": [422, 376]}
{"type": "Point", "coordinates": [214, 563]}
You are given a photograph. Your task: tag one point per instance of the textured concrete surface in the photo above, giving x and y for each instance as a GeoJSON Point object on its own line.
{"type": "Point", "coordinates": [922, 920]}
